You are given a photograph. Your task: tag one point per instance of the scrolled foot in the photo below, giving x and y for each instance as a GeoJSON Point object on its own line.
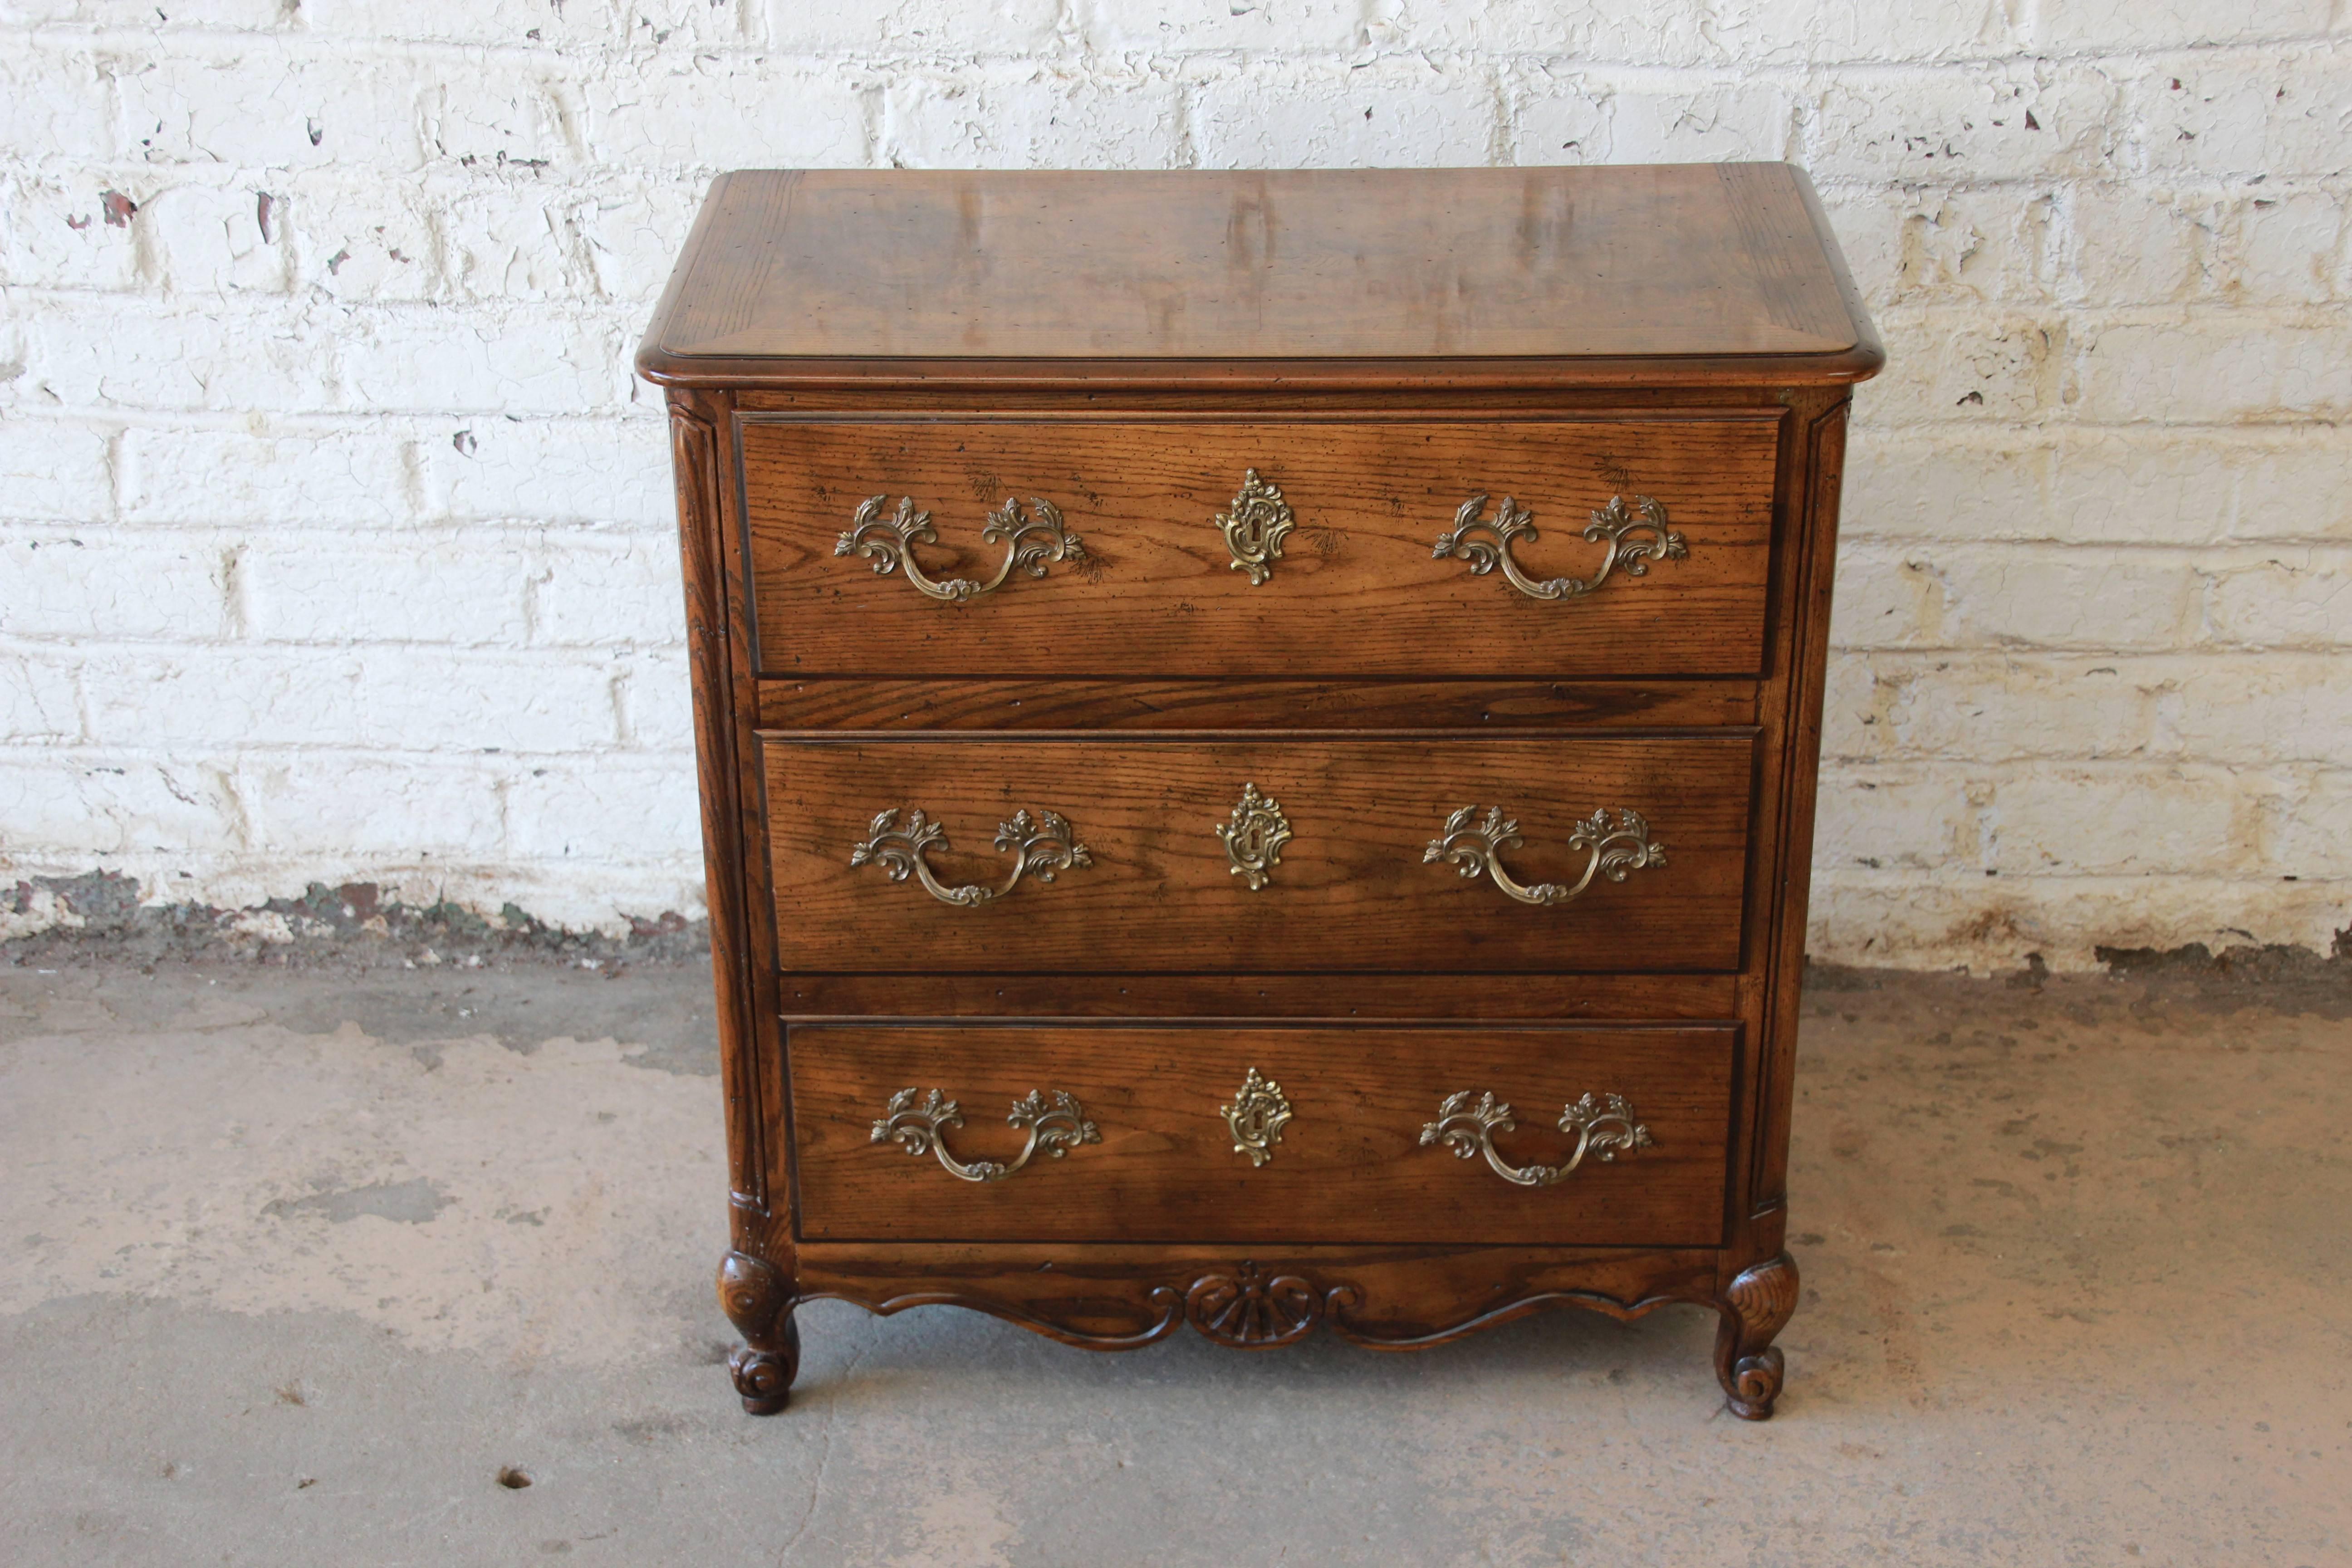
{"type": "Point", "coordinates": [1756, 1306]}
{"type": "Point", "coordinates": [764, 1376]}
{"type": "Point", "coordinates": [754, 1294]}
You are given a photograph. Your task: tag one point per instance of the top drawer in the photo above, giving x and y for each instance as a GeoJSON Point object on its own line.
{"type": "Point", "coordinates": [1632, 547]}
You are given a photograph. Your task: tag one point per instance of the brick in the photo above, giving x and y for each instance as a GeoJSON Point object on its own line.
{"type": "Point", "coordinates": [363, 240]}
{"type": "Point", "coordinates": [605, 593]}
{"type": "Point", "coordinates": [2290, 484]}
{"type": "Point", "coordinates": [1960, 124]}
{"type": "Point", "coordinates": [1669, 33]}
{"type": "Point", "coordinates": [2139, 487]}
{"type": "Point", "coordinates": [54, 471]}
{"type": "Point", "coordinates": [1398, 113]}
{"type": "Point", "coordinates": [1170, 26]}
{"type": "Point", "coordinates": [97, 805]}
{"type": "Point", "coordinates": [1925, 246]}
{"type": "Point", "coordinates": [2131, 244]}
{"type": "Point", "coordinates": [1645, 117]}
{"type": "Point", "coordinates": [462, 590]}
{"type": "Point", "coordinates": [414, 808]}
{"type": "Point", "coordinates": [2217, 367]}
{"type": "Point", "coordinates": [2258, 710]}
{"type": "Point", "coordinates": [229, 15]}
{"type": "Point", "coordinates": [516, 23]}
{"type": "Point", "coordinates": [54, 234]}
{"type": "Point", "coordinates": [657, 701]}
{"type": "Point", "coordinates": [1882, 818]}
{"type": "Point", "coordinates": [551, 470]}
{"type": "Point", "coordinates": [1040, 116]}
{"type": "Point", "coordinates": [2310, 828]}
{"type": "Point", "coordinates": [56, 100]}
{"type": "Point", "coordinates": [108, 588]}
{"type": "Point", "coordinates": [517, 120]}
{"type": "Point", "coordinates": [1742, 119]}
{"type": "Point", "coordinates": [422, 360]}
{"type": "Point", "coordinates": [96, 353]}
{"type": "Point", "coordinates": [2125, 25]}
{"type": "Point", "coordinates": [2123, 820]}
{"type": "Point", "coordinates": [180, 474]}
{"type": "Point", "coordinates": [1944, 595]}
{"type": "Point", "coordinates": [632, 118]}
{"type": "Point", "coordinates": [1952, 366]}
{"type": "Point", "coordinates": [217, 239]}
{"type": "Point", "coordinates": [517, 240]}
{"type": "Point", "coordinates": [1950, 484]}
{"type": "Point", "coordinates": [2296, 598]}
{"type": "Point", "coordinates": [1800, 31]}
{"type": "Point", "coordinates": [255, 106]}
{"type": "Point", "coordinates": [554, 814]}
{"type": "Point", "coordinates": [399, 699]}
{"type": "Point", "coordinates": [38, 704]}
{"type": "Point", "coordinates": [2239, 114]}
{"type": "Point", "coordinates": [633, 235]}
{"type": "Point", "coordinates": [2289, 248]}
{"type": "Point", "coordinates": [900, 28]}
{"type": "Point", "coordinates": [1992, 707]}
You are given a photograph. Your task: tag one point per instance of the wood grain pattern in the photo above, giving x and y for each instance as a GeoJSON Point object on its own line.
{"type": "Point", "coordinates": [1357, 591]}
{"type": "Point", "coordinates": [1353, 892]}
{"type": "Point", "coordinates": [1658, 260]}
{"type": "Point", "coordinates": [867, 704]}
{"type": "Point", "coordinates": [1349, 1167]}
{"type": "Point", "coordinates": [1328, 997]}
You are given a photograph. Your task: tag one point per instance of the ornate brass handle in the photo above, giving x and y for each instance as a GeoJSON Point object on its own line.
{"type": "Point", "coordinates": [1055, 1122]}
{"type": "Point", "coordinates": [1610, 526]}
{"type": "Point", "coordinates": [1042, 844]}
{"type": "Point", "coordinates": [1604, 1128]}
{"type": "Point", "coordinates": [1032, 541]}
{"type": "Point", "coordinates": [1611, 852]}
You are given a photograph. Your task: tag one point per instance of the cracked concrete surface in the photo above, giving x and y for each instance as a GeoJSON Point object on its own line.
{"type": "Point", "coordinates": [297, 1264]}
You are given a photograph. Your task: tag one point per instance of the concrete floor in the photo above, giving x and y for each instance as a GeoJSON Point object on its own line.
{"type": "Point", "coordinates": [296, 1264]}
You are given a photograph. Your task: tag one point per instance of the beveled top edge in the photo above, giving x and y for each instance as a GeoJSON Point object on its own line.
{"type": "Point", "coordinates": [1761, 295]}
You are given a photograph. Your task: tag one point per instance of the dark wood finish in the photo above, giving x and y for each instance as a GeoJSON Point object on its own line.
{"type": "Point", "coordinates": [1407, 339]}
{"type": "Point", "coordinates": [1357, 591]}
{"type": "Point", "coordinates": [1349, 1168]}
{"type": "Point", "coordinates": [1353, 890]}
{"type": "Point", "coordinates": [1116, 1297]}
{"type": "Point", "coordinates": [1294, 705]}
{"type": "Point", "coordinates": [1663, 262]}
{"type": "Point", "coordinates": [1341, 998]}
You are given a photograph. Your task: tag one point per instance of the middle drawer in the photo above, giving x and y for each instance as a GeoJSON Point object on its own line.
{"type": "Point", "coordinates": [1587, 851]}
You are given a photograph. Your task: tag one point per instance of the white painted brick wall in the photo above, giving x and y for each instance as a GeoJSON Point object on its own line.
{"type": "Point", "coordinates": [335, 537]}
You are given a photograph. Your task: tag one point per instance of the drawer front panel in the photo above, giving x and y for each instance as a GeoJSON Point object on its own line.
{"type": "Point", "coordinates": [1155, 586]}
{"type": "Point", "coordinates": [1366, 1125]}
{"type": "Point", "coordinates": [1583, 851]}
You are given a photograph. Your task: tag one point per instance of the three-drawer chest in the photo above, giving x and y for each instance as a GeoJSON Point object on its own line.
{"type": "Point", "coordinates": [1257, 736]}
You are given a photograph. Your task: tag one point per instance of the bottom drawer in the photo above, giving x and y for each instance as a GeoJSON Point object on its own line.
{"type": "Point", "coordinates": [1368, 1134]}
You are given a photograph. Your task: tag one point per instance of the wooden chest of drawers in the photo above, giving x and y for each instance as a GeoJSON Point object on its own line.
{"type": "Point", "coordinates": [1298, 693]}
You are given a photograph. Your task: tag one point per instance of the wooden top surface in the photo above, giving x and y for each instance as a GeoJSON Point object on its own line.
{"type": "Point", "coordinates": [1681, 261]}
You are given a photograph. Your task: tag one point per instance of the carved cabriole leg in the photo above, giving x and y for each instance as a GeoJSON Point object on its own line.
{"type": "Point", "coordinates": [754, 1294]}
{"type": "Point", "coordinates": [1755, 1308]}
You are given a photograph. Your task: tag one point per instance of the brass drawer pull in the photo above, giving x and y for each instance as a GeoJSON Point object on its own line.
{"type": "Point", "coordinates": [1042, 845]}
{"type": "Point", "coordinates": [1611, 852]}
{"type": "Point", "coordinates": [1604, 1128]}
{"type": "Point", "coordinates": [1610, 526]}
{"type": "Point", "coordinates": [1055, 1122]}
{"type": "Point", "coordinates": [1032, 544]}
